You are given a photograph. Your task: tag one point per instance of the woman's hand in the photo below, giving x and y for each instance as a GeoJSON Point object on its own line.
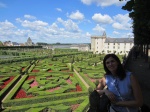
{"type": "Point", "coordinates": [111, 96]}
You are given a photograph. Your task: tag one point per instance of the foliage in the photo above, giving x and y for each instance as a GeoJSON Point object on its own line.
{"type": "Point", "coordinates": [139, 11]}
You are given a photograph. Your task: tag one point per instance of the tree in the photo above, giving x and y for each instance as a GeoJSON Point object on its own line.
{"type": "Point", "coordinates": [1, 44]}
{"type": "Point", "coordinates": [139, 12]}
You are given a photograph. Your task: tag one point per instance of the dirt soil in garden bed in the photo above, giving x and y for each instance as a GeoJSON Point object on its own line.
{"type": "Point", "coordinates": [6, 82]}
{"type": "Point", "coordinates": [73, 107]}
{"type": "Point", "coordinates": [31, 77]}
{"type": "Point", "coordinates": [92, 80]}
{"type": "Point", "coordinates": [35, 70]}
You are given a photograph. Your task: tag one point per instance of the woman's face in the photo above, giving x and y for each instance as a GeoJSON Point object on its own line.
{"type": "Point", "coordinates": [111, 64]}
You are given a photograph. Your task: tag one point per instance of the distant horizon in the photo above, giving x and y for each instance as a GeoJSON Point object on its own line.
{"type": "Point", "coordinates": [58, 43]}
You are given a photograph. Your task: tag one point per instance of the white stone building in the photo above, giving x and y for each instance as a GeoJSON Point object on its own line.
{"type": "Point", "coordinates": [104, 44]}
{"type": "Point", "coordinates": [81, 47]}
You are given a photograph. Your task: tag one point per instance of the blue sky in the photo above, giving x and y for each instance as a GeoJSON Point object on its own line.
{"type": "Point", "coordinates": [64, 21]}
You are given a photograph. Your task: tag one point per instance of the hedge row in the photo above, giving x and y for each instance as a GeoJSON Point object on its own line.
{"type": "Point", "coordinates": [4, 91]}
{"type": "Point", "coordinates": [13, 92]}
{"type": "Point", "coordinates": [83, 106]}
{"type": "Point", "coordinates": [48, 104]}
{"type": "Point", "coordinates": [81, 83]}
{"type": "Point", "coordinates": [26, 69]}
{"type": "Point", "coordinates": [54, 73]}
{"type": "Point", "coordinates": [21, 59]}
{"type": "Point", "coordinates": [31, 68]}
{"type": "Point", "coordinates": [42, 99]}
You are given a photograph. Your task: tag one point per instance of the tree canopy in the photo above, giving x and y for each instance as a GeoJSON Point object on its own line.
{"type": "Point", "coordinates": [1, 44]}
{"type": "Point", "coordinates": [139, 12]}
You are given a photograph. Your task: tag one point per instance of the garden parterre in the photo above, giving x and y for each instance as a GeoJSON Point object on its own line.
{"type": "Point", "coordinates": [49, 82]}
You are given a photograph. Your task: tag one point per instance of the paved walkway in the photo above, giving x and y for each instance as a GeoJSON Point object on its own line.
{"type": "Point", "coordinates": [141, 70]}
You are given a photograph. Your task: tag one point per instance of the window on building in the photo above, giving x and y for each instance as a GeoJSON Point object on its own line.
{"type": "Point", "coordinates": [114, 43]}
{"type": "Point", "coordinates": [108, 43]}
{"type": "Point", "coordinates": [130, 44]}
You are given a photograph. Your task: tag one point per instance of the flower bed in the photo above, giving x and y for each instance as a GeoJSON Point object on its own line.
{"type": "Point", "coordinates": [7, 82]}
{"type": "Point", "coordinates": [71, 75]}
{"type": "Point", "coordinates": [1, 77]}
{"type": "Point", "coordinates": [23, 68]}
{"type": "Point", "coordinates": [35, 70]}
{"type": "Point", "coordinates": [69, 81]}
{"type": "Point", "coordinates": [78, 88]}
{"type": "Point", "coordinates": [91, 79]}
{"type": "Point", "coordinates": [56, 88]}
{"type": "Point", "coordinates": [22, 94]}
{"type": "Point", "coordinates": [75, 106]}
{"type": "Point", "coordinates": [49, 70]}
{"type": "Point", "coordinates": [35, 83]}
{"type": "Point", "coordinates": [31, 77]}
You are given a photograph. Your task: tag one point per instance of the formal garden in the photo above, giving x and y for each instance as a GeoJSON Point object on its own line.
{"type": "Point", "coordinates": [58, 82]}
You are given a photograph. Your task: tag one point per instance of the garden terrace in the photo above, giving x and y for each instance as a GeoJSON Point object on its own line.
{"type": "Point", "coordinates": [51, 82]}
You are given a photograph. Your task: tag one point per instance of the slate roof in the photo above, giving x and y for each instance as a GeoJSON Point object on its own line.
{"type": "Point", "coordinates": [29, 40]}
{"type": "Point", "coordinates": [15, 43]}
{"type": "Point", "coordinates": [119, 40]}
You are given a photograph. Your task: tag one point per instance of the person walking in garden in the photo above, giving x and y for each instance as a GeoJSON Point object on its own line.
{"type": "Point", "coordinates": [123, 89]}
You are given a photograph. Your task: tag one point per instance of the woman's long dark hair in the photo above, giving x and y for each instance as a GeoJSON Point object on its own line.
{"type": "Point", "coordinates": [120, 70]}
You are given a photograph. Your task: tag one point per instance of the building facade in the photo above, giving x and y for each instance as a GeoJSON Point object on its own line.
{"type": "Point", "coordinates": [104, 44]}
{"type": "Point", "coordinates": [80, 47]}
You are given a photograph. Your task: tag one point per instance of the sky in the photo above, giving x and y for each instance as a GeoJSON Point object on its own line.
{"type": "Point", "coordinates": [63, 21]}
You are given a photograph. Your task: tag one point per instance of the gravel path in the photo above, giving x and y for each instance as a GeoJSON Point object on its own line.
{"type": "Point", "coordinates": [81, 79]}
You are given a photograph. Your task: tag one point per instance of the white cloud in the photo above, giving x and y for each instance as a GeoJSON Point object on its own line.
{"type": "Point", "coordinates": [88, 34]}
{"type": "Point", "coordinates": [76, 15]}
{"type": "Point", "coordinates": [122, 22]}
{"type": "Point", "coordinates": [10, 32]}
{"type": "Point", "coordinates": [6, 25]}
{"type": "Point", "coordinates": [118, 26]}
{"type": "Point", "coordinates": [41, 31]}
{"type": "Point", "coordinates": [60, 20]}
{"type": "Point", "coordinates": [99, 18]}
{"type": "Point", "coordinates": [131, 35]}
{"type": "Point", "coordinates": [98, 28]}
{"type": "Point", "coordinates": [59, 9]}
{"type": "Point", "coordinates": [29, 17]}
{"type": "Point", "coordinates": [69, 25]}
{"type": "Point", "coordinates": [115, 32]}
{"type": "Point", "coordinates": [87, 2]}
{"type": "Point", "coordinates": [103, 3]}
{"type": "Point", "coordinates": [122, 18]}
{"type": "Point", "coordinates": [18, 20]}
{"type": "Point", "coordinates": [2, 5]}
{"type": "Point", "coordinates": [54, 26]}
{"type": "Point", "coordinates": [34, 25]}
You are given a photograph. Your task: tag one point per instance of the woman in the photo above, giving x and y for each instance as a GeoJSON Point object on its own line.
{"type": "Point", "coordinates": [123, 89]}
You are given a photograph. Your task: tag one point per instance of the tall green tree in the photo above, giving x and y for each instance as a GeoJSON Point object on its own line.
{"type": "Point", "coordinates": [139, 12]}
{"type": "Point", "coordinates": [1, 44]}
